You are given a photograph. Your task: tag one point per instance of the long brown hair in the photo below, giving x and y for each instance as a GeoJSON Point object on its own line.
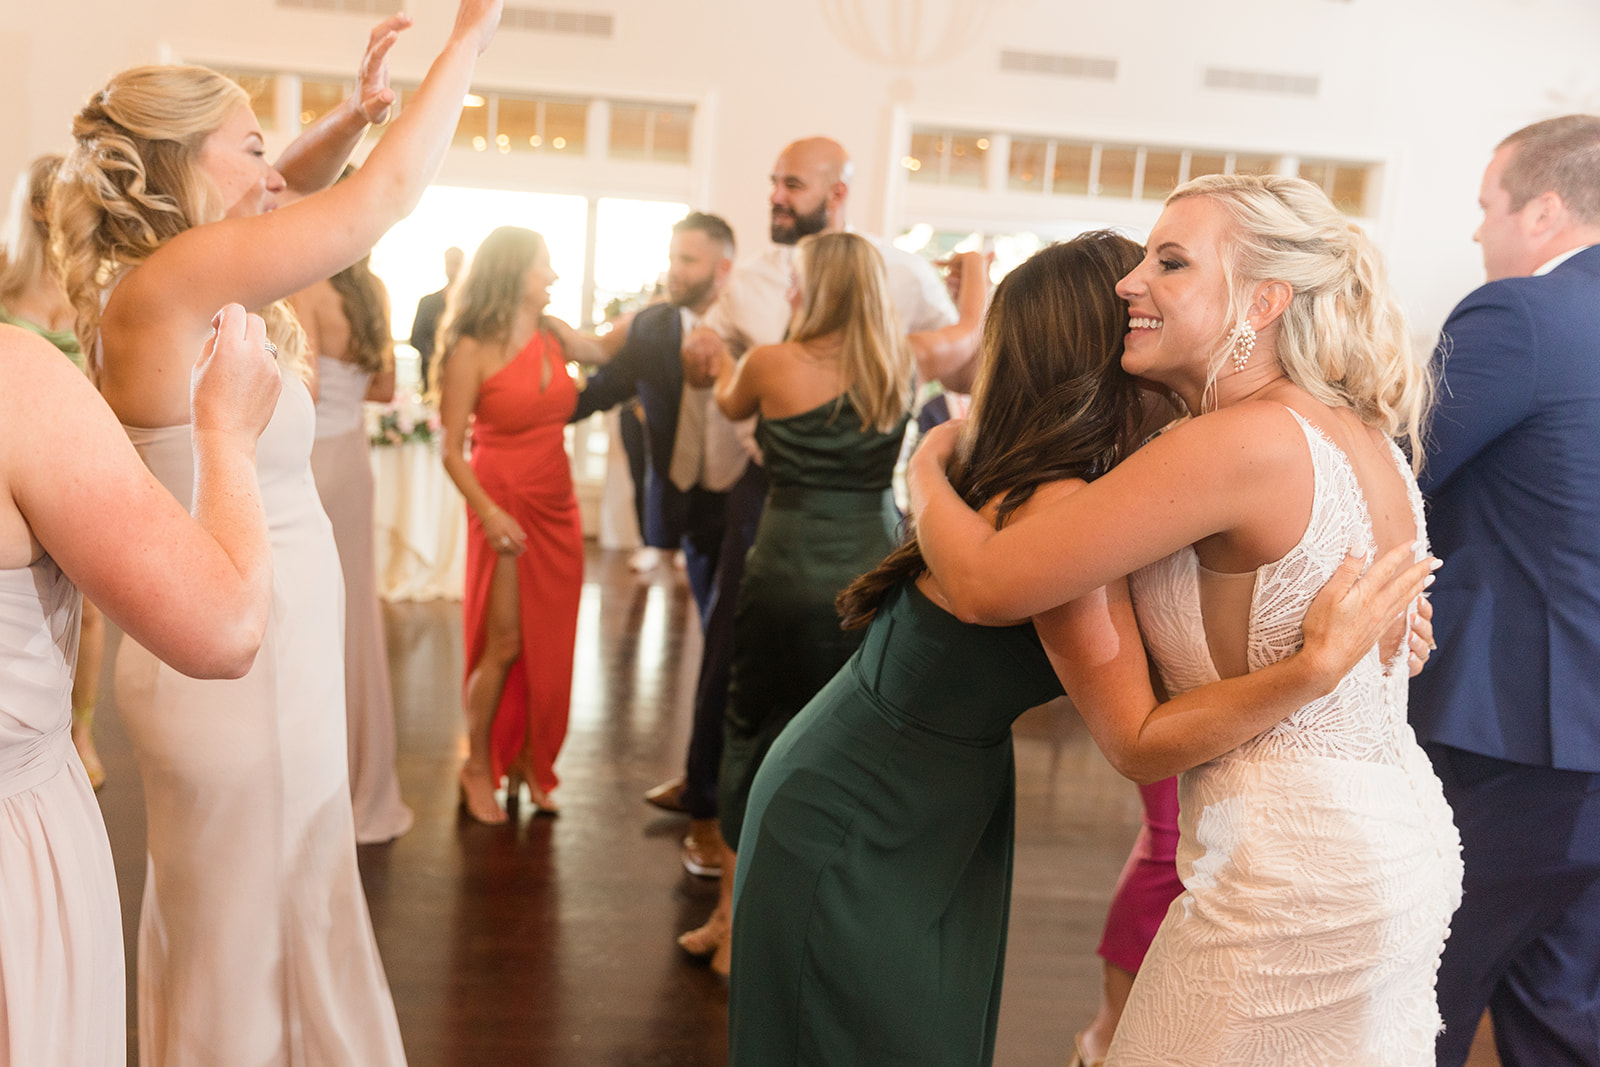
{"type": "Point", "coordinates": [366, 308]}
{"type": "Point", "coordinates": [1051, 400]}
{"type": "Point", "coordinates": [484, 305]}
{"type": "Point", "coordinates": [845, 291]}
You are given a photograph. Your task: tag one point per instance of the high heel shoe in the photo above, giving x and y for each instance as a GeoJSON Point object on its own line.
{"type": "Point", "coordinates": [1079, 1059]}
{"type": "Point", "coordinates": [709, 941]}
{"type": "Point", "coordinates": [543, 803]}
{"type": "Point", "coordinates": [490, 815]}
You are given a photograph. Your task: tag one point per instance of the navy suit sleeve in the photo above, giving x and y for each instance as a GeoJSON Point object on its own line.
{"type": "Point", "coordinates": [1489, 355]}
{"type": "Point", "coordinates": [613, 383]}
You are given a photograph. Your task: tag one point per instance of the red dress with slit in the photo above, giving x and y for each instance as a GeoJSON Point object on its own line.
{"type": "Point", "coordinates": [519, 457]}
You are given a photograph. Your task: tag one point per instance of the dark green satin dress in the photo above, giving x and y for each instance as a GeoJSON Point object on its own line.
{"type": "Point", "coordinates": [874, 878]}
{"type": "Point", "coordinates": [829, 518]}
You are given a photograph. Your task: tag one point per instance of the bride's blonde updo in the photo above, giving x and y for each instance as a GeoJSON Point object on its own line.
{"type": "Point", "coordinates": [132, 182]}
{"type": "Point", "coordinates": [1343, 338]}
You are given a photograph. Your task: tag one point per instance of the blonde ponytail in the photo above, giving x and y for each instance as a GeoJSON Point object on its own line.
{"type": "Point", "coordinates": [131, 183]}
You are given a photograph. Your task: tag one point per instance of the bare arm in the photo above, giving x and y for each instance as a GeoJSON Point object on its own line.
{"type": "Point", "coordinates": [581, 347]}
{"type": "Point", "coordinates": [1094, 644]}
{"type": "Point", "coordinates": [739, 384]}
{"type": "Point", "coordinates": [947, 355]}
{"type": "Point", "coordinates": [1234, 472]}
{"type": "Point", "coordinates": [459, 380]}
{"type": "Point", "coordinates": [260, 259]}
{"type": "Point", "coordinates": [196, 592]}
{"type": "Point", "coordinates": [313, 160]}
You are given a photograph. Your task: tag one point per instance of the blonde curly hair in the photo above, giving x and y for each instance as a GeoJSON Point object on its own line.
{"type": "Point", "coordinates": [1343, 338]}
{"type": "Point", "coordinates": [131, 183]}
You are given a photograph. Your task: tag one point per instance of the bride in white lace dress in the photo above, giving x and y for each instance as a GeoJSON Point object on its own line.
{"type": "Point", "coordinates": [1319, 860]}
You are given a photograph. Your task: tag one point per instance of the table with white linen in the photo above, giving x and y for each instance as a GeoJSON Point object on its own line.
{"type": "Point", "coordinates": [419, 525]}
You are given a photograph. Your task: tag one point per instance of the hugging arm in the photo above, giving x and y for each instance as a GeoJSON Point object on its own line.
{"type": "Point", "coordinates": [1210, 475]}
{"type": "Point", "coordinates": [1094, 644]}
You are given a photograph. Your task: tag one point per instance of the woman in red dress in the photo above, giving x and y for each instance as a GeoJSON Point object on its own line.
{"type": "Point", "coordinates": [503, 376]}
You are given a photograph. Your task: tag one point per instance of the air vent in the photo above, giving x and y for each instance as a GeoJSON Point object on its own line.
{"type": "Point", "coordinates": [347, 7]}
{"type": "Point", "coordinates": [1060, 66]}
{"type": "Point", "coordinates": [1259, 81]}
{"type": "Point", "coordinates": [571, 23]}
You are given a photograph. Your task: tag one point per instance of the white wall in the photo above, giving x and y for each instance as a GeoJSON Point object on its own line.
{"type": "Point", "coordinates": [1426, 86]}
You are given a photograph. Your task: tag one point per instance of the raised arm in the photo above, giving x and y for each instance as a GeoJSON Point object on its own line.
{"type": "Point", "coordinates": [946, 355]}
{"type": "Point", "coordinates": [262, 258]}
{"type": "Point", "coordinates": [1240, 471]}
{"type": "Point", "coordinates": [195, 591]}
{"type": "Point", "coordinates": [1094, 645]}
{"type": "Point", "coordinates": [313, 160]}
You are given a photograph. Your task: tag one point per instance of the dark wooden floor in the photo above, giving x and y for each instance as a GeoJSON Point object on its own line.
{"type": "Point", "coordinates": [550, 941]}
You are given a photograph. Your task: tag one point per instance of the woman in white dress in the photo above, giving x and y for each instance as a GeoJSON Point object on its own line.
{"type": "Point", "coordinates": [1319, 861]}
{"type": "Point", "coordinates": [346, 319]}
{"type": "Point", "coordinates": [255, 945]}
{"type": "Point", "coordinates": [78, 511]}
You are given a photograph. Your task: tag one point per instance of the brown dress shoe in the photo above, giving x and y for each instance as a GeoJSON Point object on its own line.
{"type": "Point", "coordinates": [668, 796]}
{"type": "Point", "coordinates": [702, 849]}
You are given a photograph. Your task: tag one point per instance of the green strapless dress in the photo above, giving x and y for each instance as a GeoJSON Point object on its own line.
{"type": "Point", "coordinates": [874, 879]}
{"type": "Point", "coordinates": [829, 518]}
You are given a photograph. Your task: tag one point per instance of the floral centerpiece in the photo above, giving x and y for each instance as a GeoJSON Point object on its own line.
{"type": "Point", "coordinates": [404, 420]}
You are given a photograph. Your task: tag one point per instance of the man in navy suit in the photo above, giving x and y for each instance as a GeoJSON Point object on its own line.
{"type": "Point", "coordinates": [1509, 710]}
{"type": "Point", "coordinates": [649, 365]}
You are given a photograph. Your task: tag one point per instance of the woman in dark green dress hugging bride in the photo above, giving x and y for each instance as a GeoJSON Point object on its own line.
{"type": "Point", "coordinates": [874, 870]}
{"type": "Point", "coordinates": [833, 402]}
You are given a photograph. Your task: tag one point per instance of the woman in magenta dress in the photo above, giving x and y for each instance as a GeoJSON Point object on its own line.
{"type": "Point", "coordinates": [503, 376]}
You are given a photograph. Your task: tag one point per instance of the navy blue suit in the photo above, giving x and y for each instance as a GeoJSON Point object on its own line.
{"type": "Point", "coordinates": [1509, 707]}
{"type": "Point", "coordinates": [649, 366]}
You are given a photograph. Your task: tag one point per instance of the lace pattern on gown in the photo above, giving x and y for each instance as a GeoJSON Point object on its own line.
{"type": "Point", "coordinates": [1319, 860]}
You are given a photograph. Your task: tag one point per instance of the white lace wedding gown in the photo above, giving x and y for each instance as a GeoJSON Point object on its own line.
{"type": "Point", "coordinates": [1320, 863]}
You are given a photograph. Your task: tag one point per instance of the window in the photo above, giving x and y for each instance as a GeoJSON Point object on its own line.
{"type": "Point", "coordinates": [1162, 168]}
{"type": "Point", "coordinates": [652, 132]}
{"type": "Point", "coordinates": [1086, 168]}
{"type": "Point", "coordinates": [263, 90]}
{"type": "Point", "coordinates": [1027, 164]}
{"type": "Point", "coordinates": [948, 157]}
{"type": "Point", "coordinates": [318, 97]}
{"type": "Point", "coordinates": [1345, 183]}
{"type": "Point", "coordinates": [1073, 164]}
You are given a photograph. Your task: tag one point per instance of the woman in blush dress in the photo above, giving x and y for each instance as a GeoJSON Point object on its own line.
{"type": "Point", "coordinates": [1318, 858]}
{"type": "Point", "coordinates": [502, 375]}
{"type": "Point", "coordinates": [346, 319]}
{"type": "Point", "coordinates": [196, 592]}
{"type": "Point", "coordinates": [31, 297]}
{"type": "Point", "coordinates": [255, 946]}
